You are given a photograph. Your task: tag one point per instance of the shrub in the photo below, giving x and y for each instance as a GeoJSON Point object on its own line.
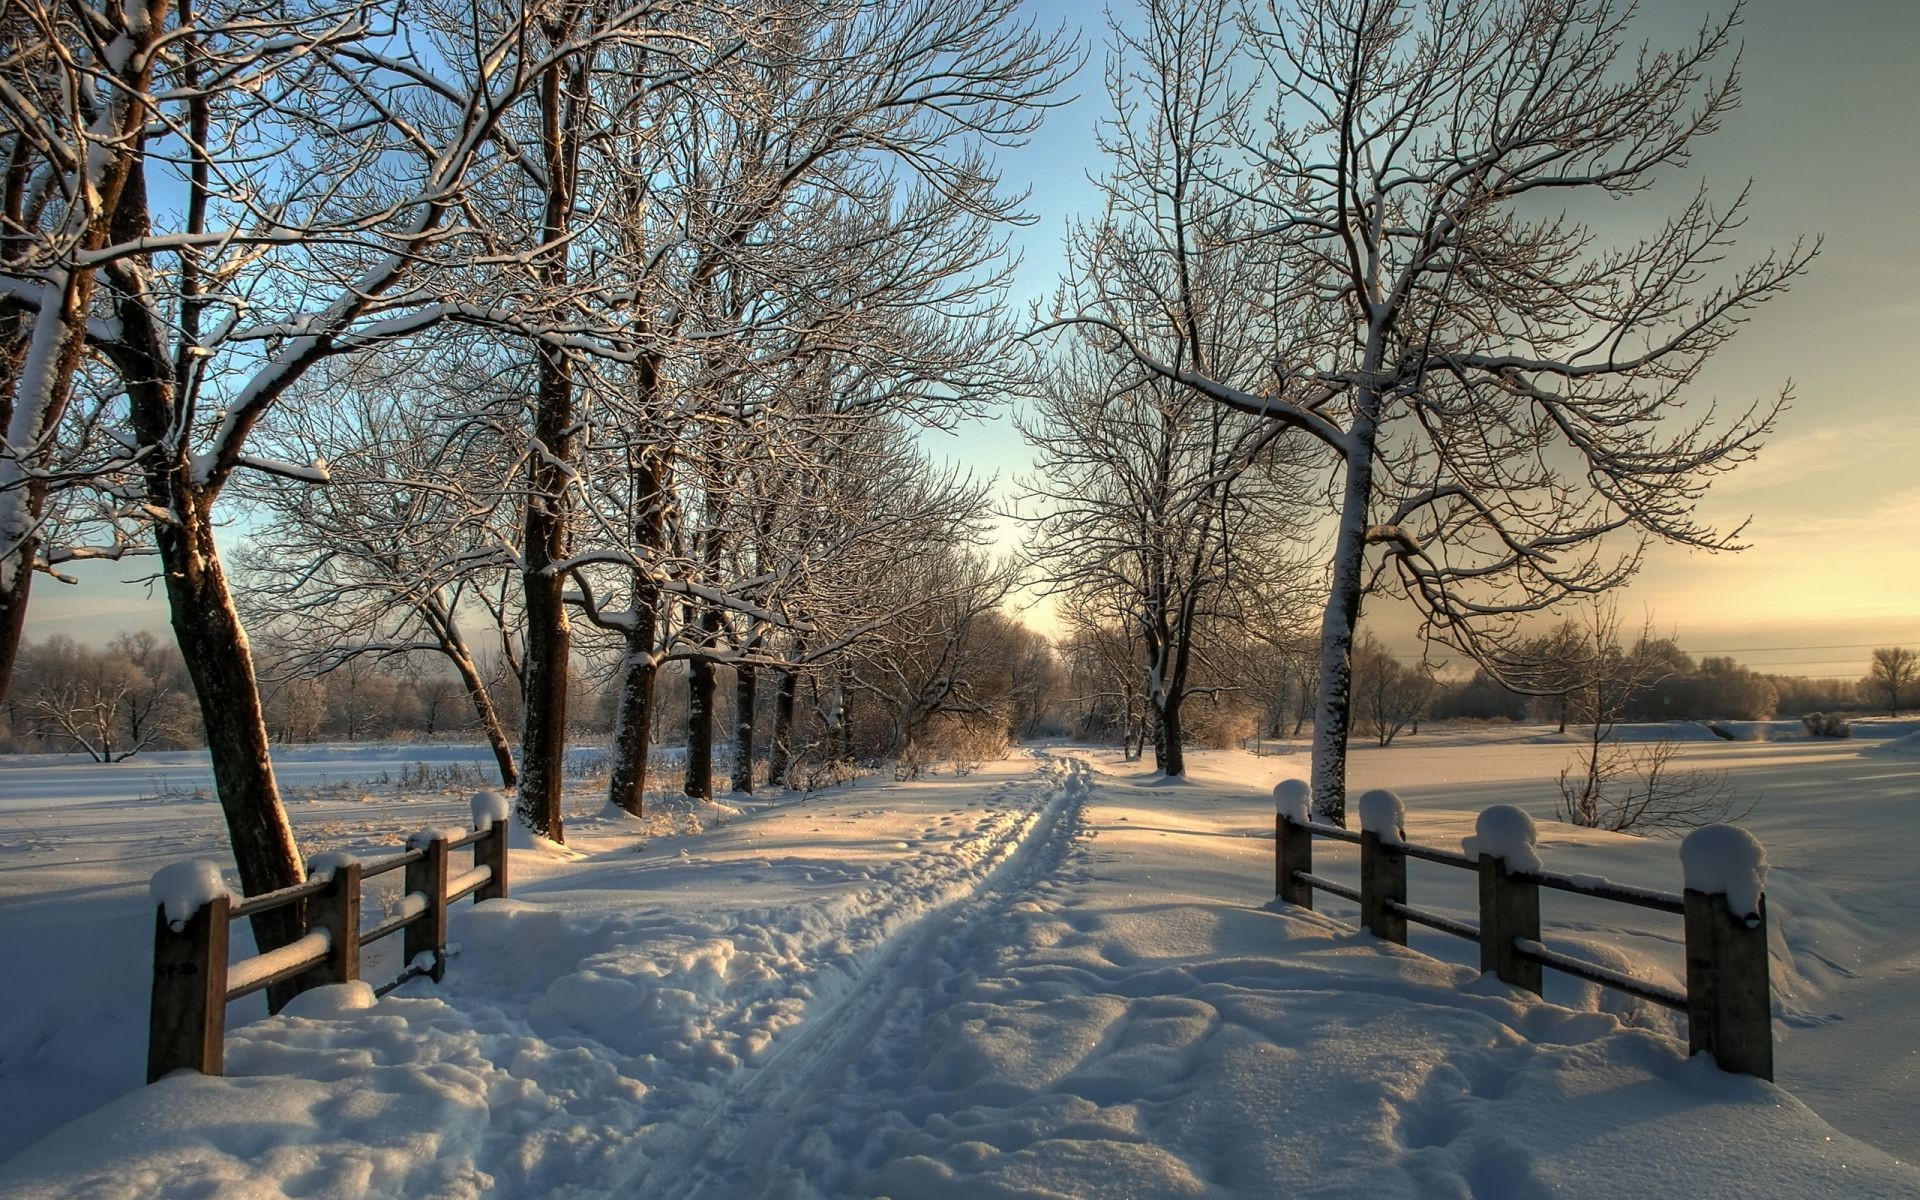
{"type": "Point", "coordinates": [1832, 725]}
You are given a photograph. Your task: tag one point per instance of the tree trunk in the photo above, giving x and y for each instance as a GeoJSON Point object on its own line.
{"type": "Point", "coordinates": [13, 612]}
{"type": "Point", "coordinates": [214, 645]}
{"type": "Point", "coordinates": [780, 753]}
{"type": "Point", "coordinates": [745, 687]}
{"type": "Point", "coordinates": [1333, 714]}
{"type": "Point", "coordinates": [1173, 757]}
{"type": "Point", "coordinates": [489, 716]}
{"type": "Point", "coordinates": [548, 637]}
{"type": "Point", "coordinates": [633, 722]}
{"type": "Point", "coordinates": [543, 687]}
{"type": "Point", "coordinates": [702, 689]}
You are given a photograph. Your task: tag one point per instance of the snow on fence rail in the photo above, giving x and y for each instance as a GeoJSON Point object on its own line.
{"type": "Point", "coordinates": [193, 982]}
{"type": "Point", "coordinates": [1727, 998]}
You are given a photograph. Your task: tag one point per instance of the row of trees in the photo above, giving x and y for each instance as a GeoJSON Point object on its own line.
{"type": "Point", "coordinates": [547, 317]}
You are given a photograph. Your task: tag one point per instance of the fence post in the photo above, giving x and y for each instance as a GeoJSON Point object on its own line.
{"type": "Point", "coordinates": [1292, 842]}
{"type": "Point", "coordinates": [1729, 995]}
{"type": "Point", "coordinates": [1383, 864]}
{"type": "Point", "coordinates": [1383, 879]}
{"type": "Point", "coordinates": [491, 852]}
{"type": "Point", "coordinates": [336, 910]}
{"type": "Point", "coordinates": [1509, 909]}
{"type": "Point", "coordinates": [186, 1023]}
{"type": "Point", "coordinates": [428, 935]}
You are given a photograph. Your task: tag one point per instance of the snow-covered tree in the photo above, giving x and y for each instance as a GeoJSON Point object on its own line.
{"type": "Point", "coordinates": [1500, 384]}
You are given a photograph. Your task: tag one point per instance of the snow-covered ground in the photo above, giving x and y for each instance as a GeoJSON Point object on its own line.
{"type": "Point", "coordinates": [1057, 977]}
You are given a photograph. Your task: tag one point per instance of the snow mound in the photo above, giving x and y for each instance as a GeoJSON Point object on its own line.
{"type": "Point", "coordinates": [1383, 815]}
{"type": "Point", "coordinates": [1293, 800]}
{"type": "Point", "coordinates": [488, 807]}
{"type": "Point", "coordinates": [184, 888]}
{"type": "Point", "coordinates": [520, 837]}
{"type": "Point", "coordinates": [1506, 833]}
{"type": "Point", "coordinates": [1904, 745]}
{"type": "Point", "coordinates": [332, 1001]}
{"type": "Point", "coordinates": [1726, 860]}
{"type": "Point", "coordinates": [322, 866]}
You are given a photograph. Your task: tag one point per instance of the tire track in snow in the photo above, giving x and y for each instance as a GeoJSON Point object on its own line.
{"type": "Point", "coordinates": [743, 1140]}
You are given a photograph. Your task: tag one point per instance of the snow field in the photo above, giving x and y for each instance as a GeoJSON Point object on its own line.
{"type": "Point", "coordinates": [1058, 978]}
{"type": "Point", "coordinates": [1132, 1023]}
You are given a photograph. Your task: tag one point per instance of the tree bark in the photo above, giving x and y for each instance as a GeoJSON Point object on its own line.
{"type": "Point", "coordinates": [780, 752]}
{"type": "Point", "coordinates": [548, 637]}
{"type": "Point", "coordinates": [701, 692]}
{"type": "Point", "coordinates": [745, 688]}
{"type": "Point", "coordinates": [1333, 715]}
{"type": "Point", "coordinates": [633, 722]}
{"type": "Point", "coordinates": [1173, 759]}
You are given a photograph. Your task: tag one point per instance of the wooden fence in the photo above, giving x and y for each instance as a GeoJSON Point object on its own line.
{"type": "Point", "coordinates": [193, 982]}
{"type": "Point", "coordinates": [1727, 999]}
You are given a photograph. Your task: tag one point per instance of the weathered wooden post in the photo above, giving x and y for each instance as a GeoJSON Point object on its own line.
{"type": "Point", "coordinates": [428, 877]}
{"type": "Point", "coordinates": [187, 1017]}
{"type": "Point", "coordinates": [336, 910]}
{"type": "Point", "coordinates": [1383, 865]}
{"type": "Point", "coordinates": [1292, 842]}
{"type": "Point", "coordinates": [1503, 842]}
{"type": "Point", "coordinates": [1729, 995]}
{"type": "Point", "coordinates": [491, 813]}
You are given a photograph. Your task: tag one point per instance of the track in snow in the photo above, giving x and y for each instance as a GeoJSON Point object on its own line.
{"type": "Point", "coordinates": [742, 1147]}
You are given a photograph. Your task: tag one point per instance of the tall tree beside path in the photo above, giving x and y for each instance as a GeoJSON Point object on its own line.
{"type": "Point", "coordinates": [231, 197]}
{"type": "Point", "coordinates": [1500, 384]}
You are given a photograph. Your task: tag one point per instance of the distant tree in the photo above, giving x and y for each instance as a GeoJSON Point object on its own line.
{"type": "Point", "coordinates": [1388, 695]}
{"type": "Point", "coordinates": [1623, 786]}
{"type": "Point", "coordinates": [107, 704]}
{"type": "Point", "coordinates": [1894, 669]}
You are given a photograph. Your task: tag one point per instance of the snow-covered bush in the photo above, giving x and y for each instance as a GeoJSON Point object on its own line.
{"type": "Point", "coordinates": [1831, 725]}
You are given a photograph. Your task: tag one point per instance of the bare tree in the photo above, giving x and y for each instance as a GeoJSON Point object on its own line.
{"type": "Point", "coordinates": [385, 560]}
{"type": "Point", "coordinates": [108, 704]}
{"type": "Point", "coordinates": [1180, 513]}
{"type": "Point", "coordinates": [1388, 694]}
{"type": "Point", "coordinates": [1621, 785]}
{"type": "Point", "coordinates": [1499, 384]}
{"type": "Point", "coordinates": [1894, 669]}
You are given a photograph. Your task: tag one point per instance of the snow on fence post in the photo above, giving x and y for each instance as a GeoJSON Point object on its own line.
{"type": "Point", "coordinates": [186, 1023]}
{"type": "Point", "coordinates": [491, 812]}
{"type": "Point", "coordinates": [1729, 997]}
{"type": "Point", "coordinates": [428, 877]}
{"type": "Point", "coordinates": [1292, 842]}
{"type": "Point", "coordinates": [337, 911]}
{"type": "Point", "coordinates": [1503, 841]}
{"type": "Point", "coordinates": [1383, 865]}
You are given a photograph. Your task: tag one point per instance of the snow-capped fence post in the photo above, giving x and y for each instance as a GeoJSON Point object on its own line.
{"type": "Point", "coordinates": [491, 813]}
{"type": "Point", "coordinates": [1509, 901]}
{"type": "Point", "coordinates": [491, 852]}
{"type": "Point", "coordinates": [1292, 842]}
{"type": "Point", "coordinates": [1383, 865]}
{"type": "Point", "coordinates": [336, 910]}
{"type": "Point", "coordinates": [428, 877]}
{"type": "Point", "coordinates": [186, 1021]}
{"type": "Point", "coordinates": [1729, 995]}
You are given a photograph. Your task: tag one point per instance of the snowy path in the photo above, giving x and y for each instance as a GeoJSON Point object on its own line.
{"type": "Point", "coordinates": [741, 1148]}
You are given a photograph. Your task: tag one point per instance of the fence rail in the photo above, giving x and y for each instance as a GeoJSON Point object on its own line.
{"type": "Point", "coordinates": [1728, 999]}
{"type": "Point", "coordinates": [193, 982]}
